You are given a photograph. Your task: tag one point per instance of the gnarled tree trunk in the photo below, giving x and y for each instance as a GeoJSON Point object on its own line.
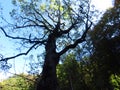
{"type": "Point", "coordinates": [48, 79]}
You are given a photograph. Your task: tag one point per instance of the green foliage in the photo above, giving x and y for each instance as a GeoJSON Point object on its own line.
{"type": "Point", "coordinates": [20, 82]}
{"type": "Point", "coordinates": [84, 75]}
{"type": "Point", "coordinates": [70, 74]}
{"type": "Point", "coordinates": [105, 38]}
{"type": "Point", "coordinates": [115, 81]}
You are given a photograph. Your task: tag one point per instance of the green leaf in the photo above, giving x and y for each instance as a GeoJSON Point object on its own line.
{"type": "Point", "coordinates": [43, 7]}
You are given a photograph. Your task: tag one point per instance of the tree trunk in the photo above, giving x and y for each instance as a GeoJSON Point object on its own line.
{"type": "Point", "coordinates": [48, 79]}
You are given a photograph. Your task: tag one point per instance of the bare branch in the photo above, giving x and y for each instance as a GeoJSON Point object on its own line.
{"type": "Point", "coordinates": [80, 40]}
{"type": "Point", "coordinates": [71, 46]}
{"type": "Point", "coordinates": [20, 54]}
{"type": "Point", "coordinates": [33, 23]}
{"type": "Point", "coordinates": [69, 29]}
{"type": "Point", "coordinates": [43, 19]}
{"type": "Point", "coordinates": [51, 18]}
{"type": "Point", "coordinates": [22, 38]}
{"type": "Point", "coordinates": [30, 25]}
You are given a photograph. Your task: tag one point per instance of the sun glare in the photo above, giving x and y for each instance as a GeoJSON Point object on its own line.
{"type": "Point", "coordinates": [102, 4]}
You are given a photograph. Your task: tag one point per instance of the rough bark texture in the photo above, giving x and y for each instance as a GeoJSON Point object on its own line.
{"type": "Point", "coordinates": [48, 79]}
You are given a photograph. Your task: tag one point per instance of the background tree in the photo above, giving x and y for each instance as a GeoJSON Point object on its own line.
{"type": "Point", "coordinates": [68, 72]}
{"type": "Point", "coordinates": [73, 74]}
{"type": "Point", "coordinates": [18, 82]}
{"type": "Point", "coordinates": [57, 25]}
{"type": "Point", "coordinates": [105, 54]}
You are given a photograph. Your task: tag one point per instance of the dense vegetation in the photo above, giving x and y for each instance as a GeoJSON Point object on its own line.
{"type": "Point", "coordinates": [18, 82]}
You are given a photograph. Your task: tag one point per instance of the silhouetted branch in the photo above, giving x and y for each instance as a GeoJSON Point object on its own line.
{"type": "Point", "coordinates": [46, 23]}
{"type": "Point", "coordinates": [32, 23]}
{"type": "Point", "coordinates": [20, 54]}
{"type": "Point", "coordinates": [80, 40]}
{"type": "Point", "coordinates": [69, 29]}
{"type": "Point", "coordinates": [29, 25]}
{"type": "Point", "coordinates": [22, 38]}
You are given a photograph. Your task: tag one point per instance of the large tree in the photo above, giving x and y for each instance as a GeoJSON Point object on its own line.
{"type": "Point", "coordinates": [56, 25]}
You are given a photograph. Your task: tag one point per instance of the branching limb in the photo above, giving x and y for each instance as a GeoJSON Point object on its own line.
{"type": "Point", "coordinates": [20, 54]}
{"type": "Point", "coordinates": [22, 38]}
{"type": "Point", "coordinates": [34, 23]}
{"type": "Point", "coordinates": [80, 40]}
{"type": "Point", "coordinates": [69, 29]}
{"type": "Point", "coordinates": [50, 16]}
{"type": "Point", "coordinates": [45, 21]}
{"type": "Point", "coordinates": [29, 25]}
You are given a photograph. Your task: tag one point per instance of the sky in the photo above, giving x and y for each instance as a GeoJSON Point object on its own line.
{"type": "Point", "coordinates": [6, 46]}
{"type": "Point", "coordinates": [102, 4]}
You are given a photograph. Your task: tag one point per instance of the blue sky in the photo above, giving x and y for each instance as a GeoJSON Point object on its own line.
{"type": "Point", "coordinates": [6, 46]}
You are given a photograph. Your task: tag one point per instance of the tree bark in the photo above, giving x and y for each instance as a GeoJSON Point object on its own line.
{"type": "Point", "coordinates": [48, 79]}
